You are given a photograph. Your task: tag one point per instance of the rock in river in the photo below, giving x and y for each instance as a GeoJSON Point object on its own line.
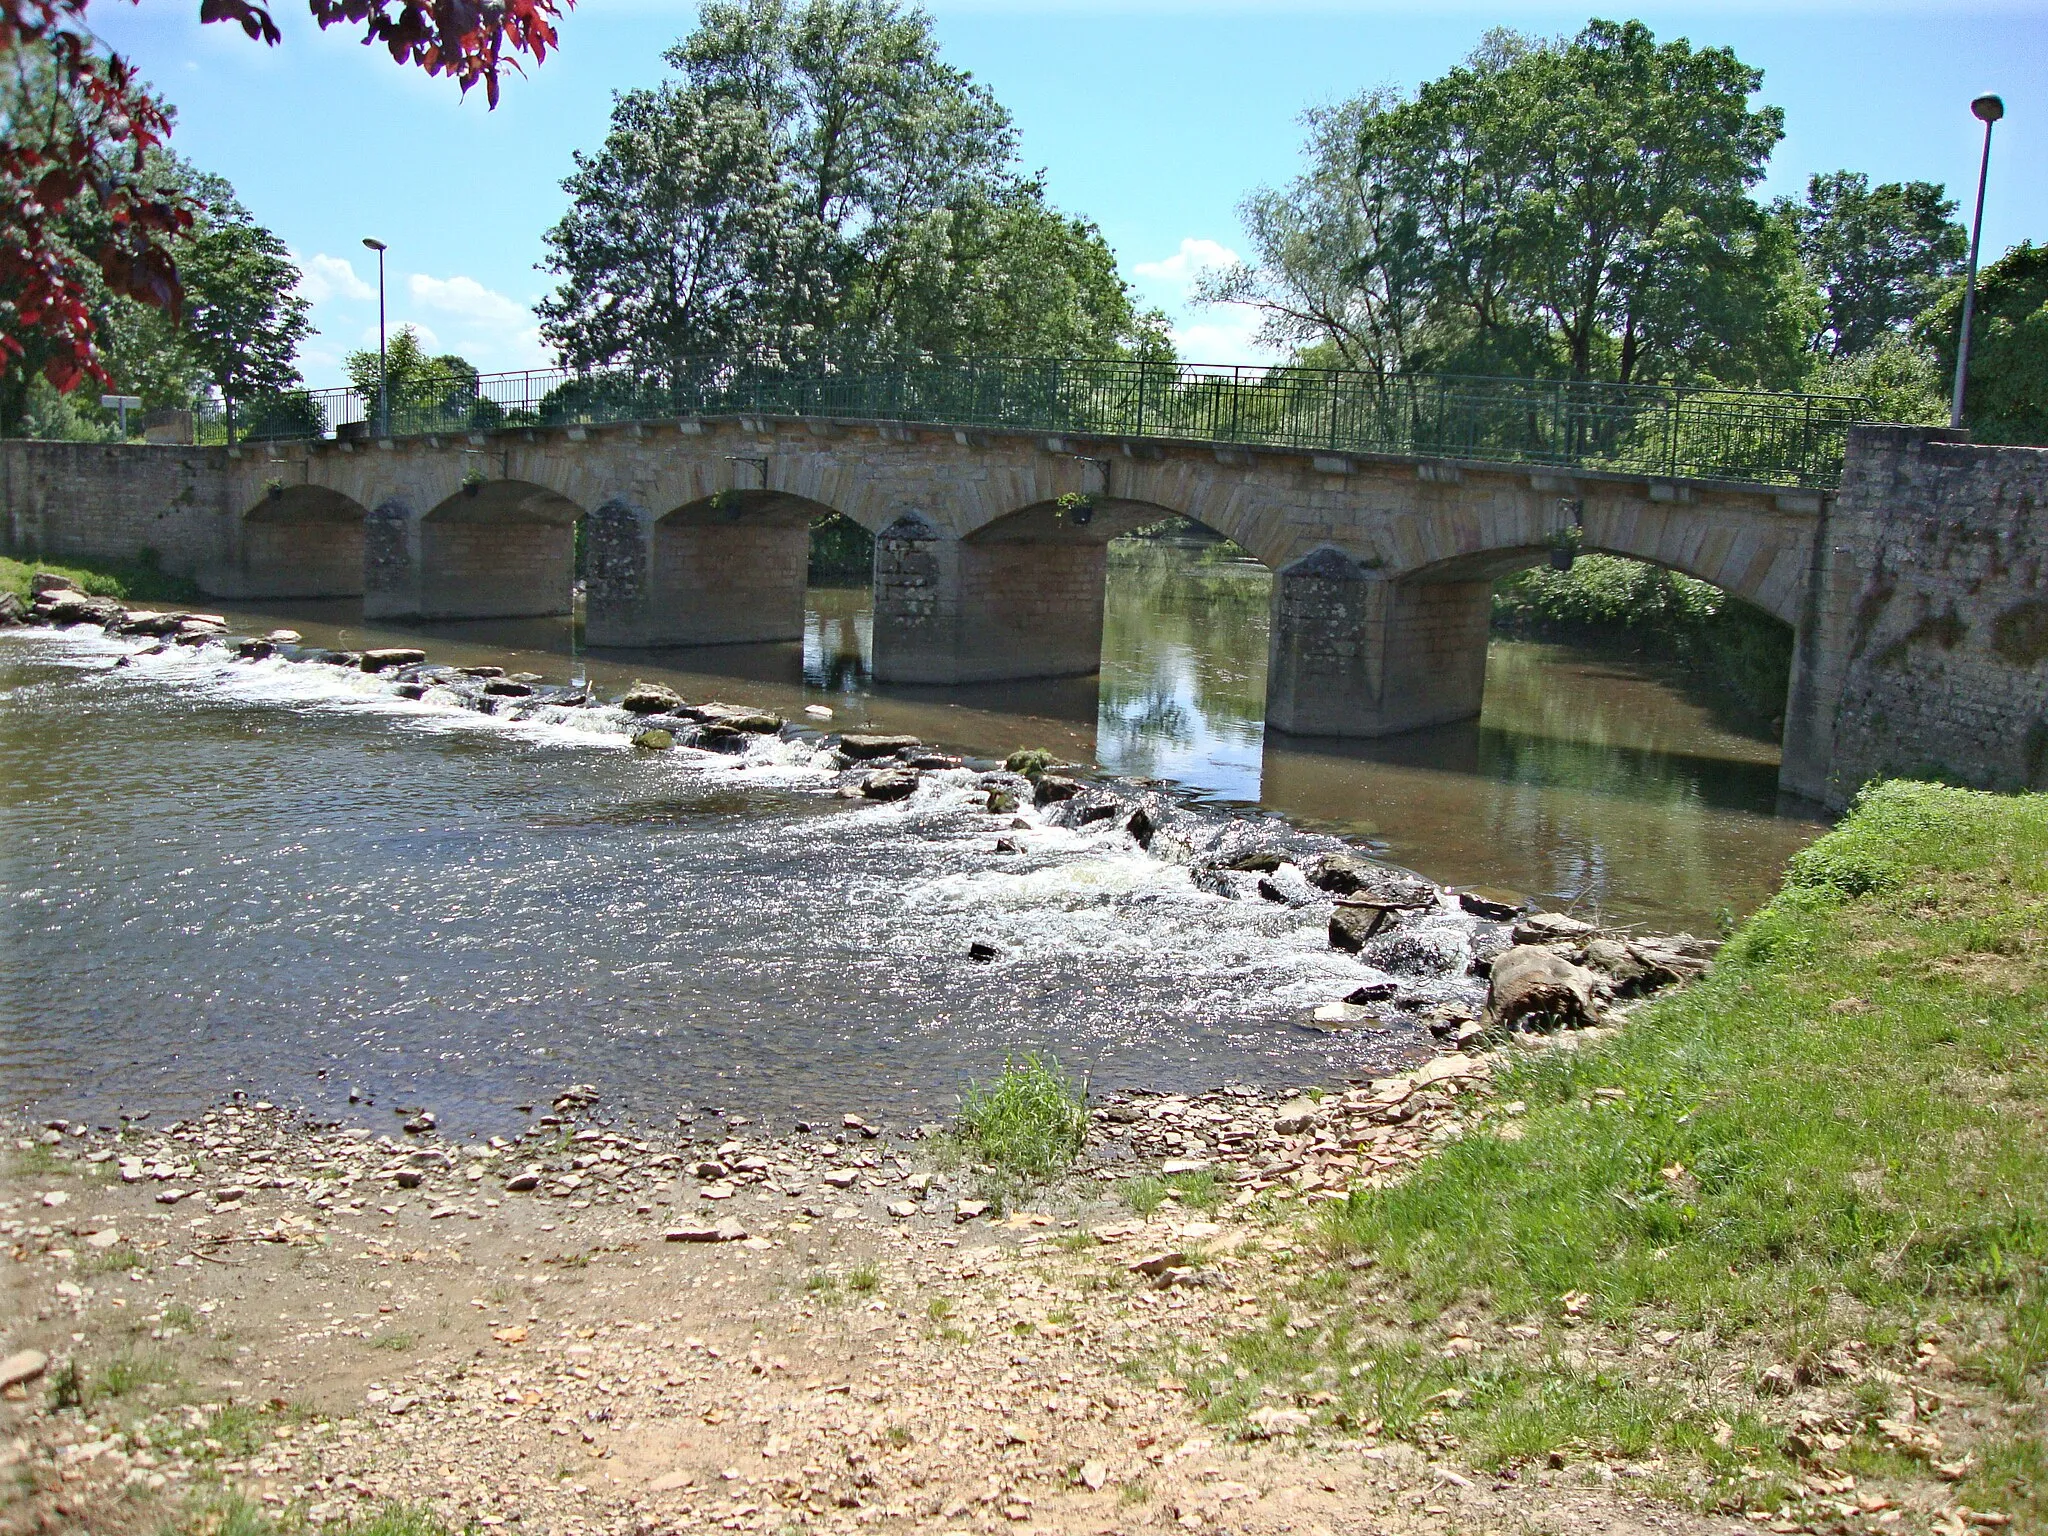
{"type": "Point", "coordinates": [651, 699]}
{"type": "Point", "coordinates": [860, 748]}
{"type": "Point", "coordinates": [1532, 985]}
{"type": "Point", "coordinates": [392, 656]}
{"type": "Point", "coordinates": [890, 784]}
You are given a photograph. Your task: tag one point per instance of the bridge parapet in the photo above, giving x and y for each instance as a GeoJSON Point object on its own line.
{"type": "Point", "coordinates": [1674, 431]}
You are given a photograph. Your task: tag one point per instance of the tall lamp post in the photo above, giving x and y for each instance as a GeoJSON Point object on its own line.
{"type": "Point", "coordinates": [1988, 110]}
{"type": "Point", "coordinates": [384, 392]}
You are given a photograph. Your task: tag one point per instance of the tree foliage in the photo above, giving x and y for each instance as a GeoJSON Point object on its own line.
{"type": "Point", "coordinates": [1578, 207]}
{"type": "Point", "coordinates": [2006, 399]}
{"type": "Point", "coordinates": [818, 185]}
{"type": "Point", "coordinates": [244, 318]}
{"type": "Point", "coordinates": [416, 379]}
{"type": "Point", "coordinates": [1879, 254]}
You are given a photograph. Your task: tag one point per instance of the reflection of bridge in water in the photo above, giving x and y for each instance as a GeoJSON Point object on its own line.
{"type": "Point", "coordinates": [1385, 508]}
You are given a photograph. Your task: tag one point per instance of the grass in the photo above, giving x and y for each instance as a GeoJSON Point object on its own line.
{"type": "Point", "coordinates": [126, 1374]}
{"type": "Point", "coordinates": [144, 580]}
{"type": "Point", "coordinates": [864, 1279]}
{"type": "Point", "coordinates": [1836, 1142]}
{"type": "Point", "coordinates": [233, 1515]}
{"type": "Point", "coordinates": [1027, 1124]}
{"type": "Point", "coordinates": [1146, 1193]}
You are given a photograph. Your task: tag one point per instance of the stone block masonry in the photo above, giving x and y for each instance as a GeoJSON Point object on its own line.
{"type": "Point", "coordinates": [113, 502]}
{"type": "Point", "coordinates": [1926, 654]}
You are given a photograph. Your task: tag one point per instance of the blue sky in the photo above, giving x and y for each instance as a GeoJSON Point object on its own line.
{"type": "Point", "coordinates": [1152, 117]}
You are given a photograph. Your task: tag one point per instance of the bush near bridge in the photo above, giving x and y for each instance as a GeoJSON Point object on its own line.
{"type": "Point", "coordinates": [1783, 1244]}
{"type": "Point", "coordinates": [1735, 650]}
{"type": "Point", "coordinates": [142, 581]}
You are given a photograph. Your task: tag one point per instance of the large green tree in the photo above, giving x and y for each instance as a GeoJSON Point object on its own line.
{"type": "Point", "coordinates": [240, 322]}
{"type": "Point", "coordinates": [678, 240]}
{"type": "Point", "coordinates": [2006, 399]}
{"type": "Point", "coordinates": [818, 185]}
{"type": "Point", "coordinates": [1579, 207]}
{"type": "Point", "coordinates": [1879, 254]}
{"type": "Point", "coordinates": [244, 318]}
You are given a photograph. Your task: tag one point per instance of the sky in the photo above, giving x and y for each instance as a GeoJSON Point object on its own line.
{"type": "Point", "coordinates": [1154, 118]}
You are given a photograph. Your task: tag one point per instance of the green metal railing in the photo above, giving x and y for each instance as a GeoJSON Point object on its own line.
{"type": "Point", "coordinates": [1705, 434]}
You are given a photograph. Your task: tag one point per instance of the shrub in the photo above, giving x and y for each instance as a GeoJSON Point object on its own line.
{"type": "Point", "coordinates": [1029, 1122]}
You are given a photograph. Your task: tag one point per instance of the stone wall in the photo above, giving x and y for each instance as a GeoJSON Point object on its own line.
{"type": "Point", "coordinates": [111, 502]}
{"type": "Point", "coordinates": [1926, 651]}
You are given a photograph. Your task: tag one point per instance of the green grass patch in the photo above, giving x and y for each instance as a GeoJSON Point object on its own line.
{"type": "Point", "coordinates": [1029, 1123]}
{"type": "Point", "coordinates": [127, 1373]}
{"type": "Point", "coordinates": [142, 581]}
{"type": "Point", "coordinates": [1198, 1191]}
{"type": "Point", "coordinates": [1835, 1142]}
{"type": "Point", "coordinates": [864, 1279]}
{"type": "Point", "coordinates": [233, 1515]}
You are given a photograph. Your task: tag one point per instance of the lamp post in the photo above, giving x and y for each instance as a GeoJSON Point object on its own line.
{"type": "Point", "coordinates": [383, 388]}
{"type": "Point", "coordinates": [1987, 110]}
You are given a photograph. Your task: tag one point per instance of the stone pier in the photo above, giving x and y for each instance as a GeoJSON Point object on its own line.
{"type": "Point", "coordinates": [728, 569]}
{"type": "Point", "coordinates": [985, 610]}
{"type": "Point", "coordinates": [1354, 654]}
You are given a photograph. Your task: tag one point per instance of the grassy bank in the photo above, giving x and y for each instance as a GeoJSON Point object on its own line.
{"type": "Point", "coordinates": [1780, 1246]}
{"type": "Point", "coordinates": [144, 581]}
{"type": "Point", "coordinates": [1740, 653]}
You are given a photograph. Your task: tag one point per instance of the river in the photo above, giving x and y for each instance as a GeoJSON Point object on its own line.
{"type": "Point", "coordinates": [280, 879]}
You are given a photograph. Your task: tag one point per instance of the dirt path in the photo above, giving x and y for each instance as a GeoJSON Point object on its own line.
{"type": "Point", "coordinates": [299, 1326]}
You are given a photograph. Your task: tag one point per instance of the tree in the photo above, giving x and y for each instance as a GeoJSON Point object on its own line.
{"type": "Point", "coordinates": [1879, 254]}
{"type": "Point", "coordinates": [243, 319]}
{"type": "Point", "coordinates": [416, 380]}
{"type": "Point", "coordinates": [872, 135]}
{"type": "Point", "coordinates": [1578, 207]}
{"type": "Point", "coordinates": [1342, 259]}
{"type": "Point", "coordinates": [86, 161]}
{"type": "Point", "coordinates": [677, 239]}
{"type": "Point", "coordinates": [820, 188]}
{"type": "Point", "coordinates": [2006, 394]}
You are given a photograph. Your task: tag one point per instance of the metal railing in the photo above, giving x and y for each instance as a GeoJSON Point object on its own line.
{"type": "Point", "coordinates": [1706, 434]}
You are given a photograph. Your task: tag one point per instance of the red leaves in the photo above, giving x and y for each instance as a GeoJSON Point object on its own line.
{"type": "Point", "coordinates": [43, 306]}
{"type": "Point", "coordinates": [252, 19]}
{"type": "Point", "coordinates": [466, 39]}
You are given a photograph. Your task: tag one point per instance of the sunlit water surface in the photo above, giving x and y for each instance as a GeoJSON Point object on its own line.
{"type": "Point", "coordinates": [280, 879]}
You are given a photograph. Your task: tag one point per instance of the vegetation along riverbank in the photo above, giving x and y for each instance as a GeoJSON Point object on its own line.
{"type": "Point", "coordinates": [1762, 1252]}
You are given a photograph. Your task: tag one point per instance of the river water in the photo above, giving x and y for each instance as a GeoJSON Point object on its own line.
{"type": "Point", "coordinates": [280, 878]}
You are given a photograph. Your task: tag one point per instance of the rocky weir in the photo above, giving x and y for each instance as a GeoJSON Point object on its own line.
{"type": "Point", "coordinates": [1459, 968]}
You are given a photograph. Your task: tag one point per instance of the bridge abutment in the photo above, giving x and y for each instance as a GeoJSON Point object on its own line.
{"type": "Point", "coordinates": [965, 611]}
{"type": "Point", "coordinates": [1355, 654]}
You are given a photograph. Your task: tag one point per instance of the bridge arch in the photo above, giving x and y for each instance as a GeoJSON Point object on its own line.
{"type": "Point", "coordinates": [302, 541]}
{"type": "Point", "coordinates": [499, 548]}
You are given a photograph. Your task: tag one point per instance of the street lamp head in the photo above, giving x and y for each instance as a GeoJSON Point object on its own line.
{"type": "Point", "coordinates": [1988, 109]}
{"type": "Point", "coordinates": [378, 245]}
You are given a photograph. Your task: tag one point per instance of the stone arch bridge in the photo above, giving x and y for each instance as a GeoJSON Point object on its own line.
{"type": "Point", "coordinates": [990, 544]}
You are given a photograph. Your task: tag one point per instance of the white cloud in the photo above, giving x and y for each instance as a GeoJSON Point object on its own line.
{"type": "Point", "coordinates": [491, 329]}
{"type": "Point", "coordinates": [322, 279]}
{"type": "Point", "coordinates": [467, 299]}
{"type": "Point", "coordinates": [1202, 333]}
{"type": "Point", "coordinates": [1180, 270]}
